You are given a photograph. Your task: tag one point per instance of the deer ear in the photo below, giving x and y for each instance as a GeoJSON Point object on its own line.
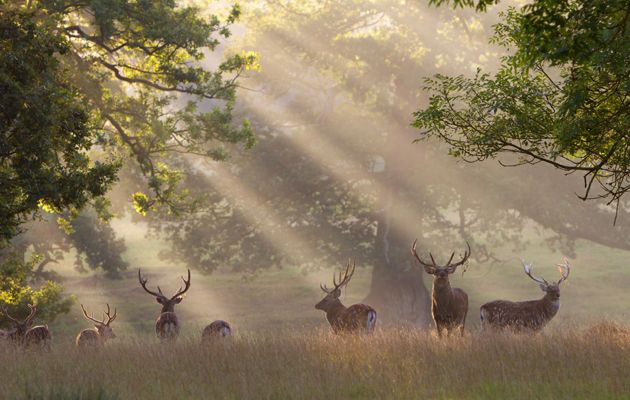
{"type": "Point", "coordinates": [337, 293]}
{"type": "Point", "coordinates": [543, 287]}
{"type": "Point", "coordinates": [179, 299]}
{"type": "Point", "coordinates": [159, 300]}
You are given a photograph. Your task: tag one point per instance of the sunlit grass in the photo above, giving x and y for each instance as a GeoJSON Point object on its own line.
{"type": "Point", "coordinates": [305, 364]}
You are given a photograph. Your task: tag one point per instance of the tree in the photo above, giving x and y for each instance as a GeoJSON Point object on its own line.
{"type": "Point", "coordinates": [89, 87]}
{"type": "Point", "coordinates": [333, 175]}
{"type": "Point", "coordinates": [560, 96]}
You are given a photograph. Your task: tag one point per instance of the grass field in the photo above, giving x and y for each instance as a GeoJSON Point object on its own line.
{"type": "Point", "coordinates": [392, 364]}
{"type": "Point", "coordinates": [282, 348]}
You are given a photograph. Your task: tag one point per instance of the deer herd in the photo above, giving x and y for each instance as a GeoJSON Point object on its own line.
{"type": "Point", "coordinates": [449, 307]}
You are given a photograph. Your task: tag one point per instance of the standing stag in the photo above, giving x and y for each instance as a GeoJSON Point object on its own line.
{"type": "Point", "coordinates": [356, 318]}
{"type": "Point", "coordinates": [167, 325]}
{"type": "Point", "coordinates": [530, 315]}
{"type": "Point", "coordinates": [449, 306]}
{"type": "Point", "coordinates": [101, 332]}
{"type": "Point", "coordinates": [24, 333]}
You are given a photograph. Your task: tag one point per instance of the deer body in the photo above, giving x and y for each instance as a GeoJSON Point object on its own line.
{"type": "Point", "coordinates": [216, 330]}
{"type": "Point", "coordinates": [100, 333]}
{"type": "Point", "coordinates": [167, 326]}
{"type": "Point", "coordinates": [25, 334]}
{"type": "Point", "coordinates": [449, 306]}
{"type": "Point", "coordinates": [359, 318]}
{"type": "Point", "coordinates": [356, 318]}
{"type": "Point", "coordinates": [38, 336]}
{"type": "Point", "coordinates": [523, 316]}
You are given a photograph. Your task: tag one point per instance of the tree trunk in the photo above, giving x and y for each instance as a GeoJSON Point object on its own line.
{"type": "Point", "coordinates": [397, 290]}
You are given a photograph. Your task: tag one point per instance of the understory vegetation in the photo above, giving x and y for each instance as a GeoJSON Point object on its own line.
{"type": "Point", "coordinates": [568, 363]}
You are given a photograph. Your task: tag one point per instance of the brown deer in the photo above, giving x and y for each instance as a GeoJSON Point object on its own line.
{"type": "Point", "coordinates": [216, 330]}
{"type": "Point", "coordinates": [356, 318]}
{"type": "Point", "coordinates": [101, 332]}
{"type": "Point", "coordinates": [167, 325]}
{"type": "Point", "coordinates": [530, 315]}
{"type": "Point", "coordinates": [25, 334]}
{"type": "Point", "coordinates": [449, 306]}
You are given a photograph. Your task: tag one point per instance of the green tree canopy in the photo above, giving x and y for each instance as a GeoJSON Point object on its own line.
{"type": "Point", "coordinates": [560, 96]}
{"type": "Point", "coordinates": [88, 87]}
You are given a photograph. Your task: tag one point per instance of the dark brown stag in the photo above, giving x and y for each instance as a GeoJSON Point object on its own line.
{"type": "Point", "coordinates": [167, 325]}
{"type": "Point", "coordinates": [25, 334]}
{"type": "Point", "coordinates": [523, 316]}
{"type": "Point", "coordinates": [449, 306]}
{"type": "Point", "coordinates": [101, 332]}
{"type": "Point", "coordinates": [356, 318]}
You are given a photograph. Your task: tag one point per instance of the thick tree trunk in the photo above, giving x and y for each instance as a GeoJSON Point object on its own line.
{"type": "Point", "coordinates": [397, 292]}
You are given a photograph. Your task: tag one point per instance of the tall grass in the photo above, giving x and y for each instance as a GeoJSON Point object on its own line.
{"type": "Point", "coordinates": [392, 364]}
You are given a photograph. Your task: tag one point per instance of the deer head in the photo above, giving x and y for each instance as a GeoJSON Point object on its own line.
{"type": "Point", "coordinates": [102, 327]}
{"type": "Point", "coordinates": [168, 304]}
{"type": "Point", "coordinates": [551, 289]}
{"type": "Point", "coordinates": [20, 327]}
{"type": "Point", "coordinates": [332, 295]}
{"type": "Point", "coordinates": [440, 272]}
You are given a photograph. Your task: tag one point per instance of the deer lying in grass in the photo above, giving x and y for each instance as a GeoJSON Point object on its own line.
{"type": "Point", "coordinates": [216, 330]}
{"type": "Point", "coordinates": [530, 315]}
{"type": "Point", "coordinates": [24, 333]}
{"type": "Point", "coordinates": [356, 318]}
{"type": "Point", "coordinates": [167, 325]}
{"type": "Point", "coordinates": [449, 306]}
{"type": "Point", "coordinates": [101, 332]}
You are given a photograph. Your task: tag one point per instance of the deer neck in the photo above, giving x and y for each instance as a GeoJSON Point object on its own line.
{"type": "Point", "coordinates": [442, 292]}
{"type": "Point", "coordinates": [550, 305]}
{"type": "Point", "coordinates": [334, 310]}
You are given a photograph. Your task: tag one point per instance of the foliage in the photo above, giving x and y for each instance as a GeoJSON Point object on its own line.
{"type": "Point", "coordinates": [560, 96]}
{"type": "Point", "coordinates": [16, 292]}
{"type": "Point", "coordinates": [45, 129]}
{"type": "Point", "coordinates": [90, 87]}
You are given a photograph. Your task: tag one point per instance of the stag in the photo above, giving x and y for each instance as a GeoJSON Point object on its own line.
{"type": "Point", "coordinates": [216, 330]}
{"type": "Point", "coordinates": [449, 306]}
{"type": "Point", "coordinates": [523, 316]}
{"type": "Point", "coordinates": [356, 318]}
{"type": "Point", "coordinates": [24, 333]}
{"type": "Point", "coordinates": [167, 325]}
{"type": "Point", "coordinates": [101, 332]}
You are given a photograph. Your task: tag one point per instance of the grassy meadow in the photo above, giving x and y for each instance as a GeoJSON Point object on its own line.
{"type": "Point", "coordinates": [282, 348]}
{"type": "Point", "coordinates": [392, 364]}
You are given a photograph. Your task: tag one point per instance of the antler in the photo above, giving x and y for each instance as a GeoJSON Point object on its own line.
{"type": "Point", "coordinates": [564, 269]}
{"type": "Point", "coordinates": [180, 291]}
{"type": "Point", "coordinates": [430, 268]}
{"type": "Point", "coordinates": [91, 318]}
{"type": "Point", "coordinates": [106, 315]}
{"type": "Point", "coordinates": [143, 283]}
{"type": "Point", "coordinates": [111, 318]}
{"type": "Point", "coordinates": [6, 312]}
{"type": "Point", "coordinates": [453, 267]}
{"type": "Point", "coordinates": [344, 278]}
{"type": "Point", "coordinates": [27, 320]}
{"type": "Point", "coordinates": [528, 271]}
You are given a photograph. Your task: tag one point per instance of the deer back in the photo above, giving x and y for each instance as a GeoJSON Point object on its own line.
{"type": "Point", "coordinates": [216, 330]}
{"type": "Point", "coordinates": [530, 315]}
{"type": "Point", "coordinates": [38, 335]}
{"type": "Point", "coordinates": [88, 337]}
{"type": "Point", "coordinates": [167, 326]}
{"type": "Point", "coordinates": [357, 317]}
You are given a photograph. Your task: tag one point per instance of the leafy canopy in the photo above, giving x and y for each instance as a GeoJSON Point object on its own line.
{"type": "Point", "coordinates": [560, 96]}
{"type": "Point", "coordinates": [89, 87]}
